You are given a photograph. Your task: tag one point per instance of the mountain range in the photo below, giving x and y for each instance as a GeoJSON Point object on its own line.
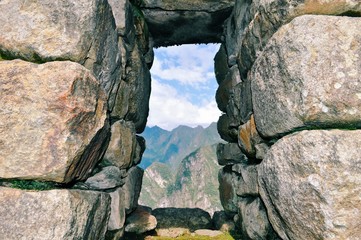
{"type": "Point", "coordinates": [170, 147]}
{"type": "Point", "coordinates": [181, 168]}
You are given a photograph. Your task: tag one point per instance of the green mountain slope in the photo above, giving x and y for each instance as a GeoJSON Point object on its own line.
{"type": "Point", "coordinates": [170, 147]}
{"type": "Point", "coordinates": [194, 185]}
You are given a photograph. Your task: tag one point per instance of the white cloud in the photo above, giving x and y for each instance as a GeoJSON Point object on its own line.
{"type": "Point", "coordinates": [169, 109]}
{"type": "Point", "coordinates": [187, 64]}
{"type": "Point", "coordinates": [183, 87]}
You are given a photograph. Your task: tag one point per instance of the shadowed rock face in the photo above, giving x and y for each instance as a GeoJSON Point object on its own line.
{"type": "Point", "coordinates": [186, 22]}
{"type": "Point", "coordinates": [190, 218]}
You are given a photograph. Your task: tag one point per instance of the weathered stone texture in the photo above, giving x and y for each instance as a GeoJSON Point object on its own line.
{"type": "Point", "coordinates": [310, 183]}
{"type": "Point", "coordinates": [227, 190]}
{"type": "Point", "coordinates": [141, 221]}
{"type": "Point", "coordinates": [122, 145]}
{"type": "Point", "coordinates": [108, 178]}
{"type": "Point", "coordinates": [123, 16]}
{"type": "Point", "coordinates": [239, 107]}
{"type": "Point", "coordinates": [308, 76]}
{"type": "Point", "coordinates": [184, 22]}
{"type": "Point", "coordinates": [223, 93]}
{"type": "Point", "coordinates": [139, 150]}
{"type": "Point", "coordinates": [246, 180]}
{"type": "Point", "coordinates": [189, 218]}
{"type": "Point", "coordinates": [52, 121]}
{"type": "Point", "coordinates": [117, 210]}
{"type": "Point", "coordinates": [54, 214]}
{"type": "Point", "coordinates": [221, 67]}
{"type": "Point", "coordinates": [80, 31]}
{"type": "Point", "coordinates": [229, 154]}
{"type": "Point", "coordinates": [248, 138]}
{"type": "Point", "coordinates": [132, 103]}
{"type": "Point", "coordinates": [227, 132]}
{"type": "Point", "coordinates": [131, 188]}
{"type": "Point", "coordinates": [253, 23]}
{"type": "Point", "coordinates": [254, 221]}
{"type": "Point", "coordinates": [195, 5]}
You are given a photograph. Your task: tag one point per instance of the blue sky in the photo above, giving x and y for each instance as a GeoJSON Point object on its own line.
{"type": "Point", "coordinates": [183, 86]}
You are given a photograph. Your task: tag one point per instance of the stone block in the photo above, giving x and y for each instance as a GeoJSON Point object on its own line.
{"type": "Point", "coordinates": [310, 184]}
{"type": "Point", "coordinates": [308, 76]}
{"type": "Point", "coordinates": [53, 124]}
{"type": "Point", "coordinates": [122, 145]}
{"type": "Point", "coordinates": [229, 154]}
{"type": "Point", "coordinates": [80, 31]}
{"type": "Point", "coordinates": [54, 214]}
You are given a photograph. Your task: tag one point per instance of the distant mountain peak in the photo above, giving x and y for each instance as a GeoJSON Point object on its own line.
{"type": "Point", "coordinates": [170, 147]}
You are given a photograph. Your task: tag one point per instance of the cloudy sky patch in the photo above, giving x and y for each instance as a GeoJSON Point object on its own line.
{"type": "Point", "coordinates": [183, 87]}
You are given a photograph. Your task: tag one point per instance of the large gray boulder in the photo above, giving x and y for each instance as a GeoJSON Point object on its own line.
{"type": "Point", "coordinates": [53, 124]}
{"type": "Point", "coordinates": [54, 214]}
{"type": "Point", "coordinates": [308, 76]}
{"type": "Point", "coordinates": [253, 23]}
{"type": "Point", "coordinates": [189, 218]}
{"type": "Point", "coordinates": [310, 183]}
{"type": "Point", "coordinates": [122, 145]}
{"type": "Point", "coordinates": [81, 31]}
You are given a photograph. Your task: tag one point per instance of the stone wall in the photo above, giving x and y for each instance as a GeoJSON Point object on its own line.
{"type": "Point", "coordinates": [75, 86]}
{"type": "Point", "coordinates": [289, 88]}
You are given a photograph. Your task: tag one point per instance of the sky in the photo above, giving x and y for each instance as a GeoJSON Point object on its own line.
{"type": "Point", "coordinates": [183, 86]}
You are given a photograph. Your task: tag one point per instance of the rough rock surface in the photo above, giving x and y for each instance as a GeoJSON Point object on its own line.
{"type": "Point", "coordinates": [310, 183]}
{"type": "Point", "coordinates": [223, 93]}
{"type": "Point", "coordinates": [227, 133]}
{"type": "Point", "coordinates": [186, 21]}
{"type": "Point", "coordinates": [54, 214]}
{"type": "Point", "coordinates": [190, 218]}
{"type": "Point", "coordinates": [246, 177]}
{"type": "Point", "coordinates": [131, 188]}
{"type": "Point", "coordinates": [80, 31]}
{"type": "Point", "coordinates": [108, 178]}
{"type": "Point", "coordinates": [253, 23]}
{"type": "Point", "coordinates": [254, 220]}
{"type": "Point", "coordinates": [227, 190]}
{"type": "Point", "coordinates": [248, 138]}
{"type": "Point", "coordinates": [117, 210]}
{"type": "Point", "coordinates": [140, 221]}
{"type": "Point", "coordinates": [123, 15]}
{"type": "Point", "coordinates": [59, 130]}
{"type": "Point", "coordinates": [239, 107]}
{"type": "Point", "coordinates": [229, 154]}
{"type": "Point", "coordinates": [308, 76]}
{"type": "Point", "coordinates": [132, 102]}
{"type": "Point", "coordinates": [221, 67]}
{"type": "Point", "coordinates": [122, 145]}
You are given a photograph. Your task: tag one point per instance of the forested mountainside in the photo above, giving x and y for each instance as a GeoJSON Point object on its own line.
{"type": "Point", "coordinates": [170, 147]}
{"type": "Point", "coordinates": [194, 184]}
